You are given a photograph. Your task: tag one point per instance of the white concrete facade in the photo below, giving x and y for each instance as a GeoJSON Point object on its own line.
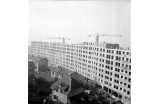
{"type": "Point", "coordinates": [110, 67]}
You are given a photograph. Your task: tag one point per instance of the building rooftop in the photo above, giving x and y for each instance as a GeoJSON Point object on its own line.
{"type": "Point", "coordinates": [66, 82]}
{"type": "Point", "coordinates": [62, 83]}
{"type": "Point", "coordinates": [77, 76]}
{"type": "Point", "coordinates": [102, 44]}
{"type": "Point", "coordinates": [55, 69]}
{"type": "Point", "coordinates": [61, 70]}
{"type": "Point", "coordinates": [35, 58]}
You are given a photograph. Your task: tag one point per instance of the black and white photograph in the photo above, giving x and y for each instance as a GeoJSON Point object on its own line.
{"type": "Point", "coordinates": [79, 52]}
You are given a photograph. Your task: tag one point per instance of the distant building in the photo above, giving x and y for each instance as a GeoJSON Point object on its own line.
{"type": "Point", "coordinates": [59, 72]}
{"type": "Point", "coordinates": [65, 88]}
{"type": "Point", "coordinates": [31, 68]}
{"type": "Point", "coordinates": [40, 63]}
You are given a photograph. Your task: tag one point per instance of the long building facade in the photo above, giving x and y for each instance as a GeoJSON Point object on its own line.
{"type": "Point", "coordinates": [109, 65]}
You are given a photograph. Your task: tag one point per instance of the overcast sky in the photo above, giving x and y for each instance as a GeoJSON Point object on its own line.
{"type": "Point", "coordinates": [78, 19]}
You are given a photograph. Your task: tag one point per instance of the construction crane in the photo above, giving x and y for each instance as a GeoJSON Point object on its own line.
{"type": "Point", "coordinates": [97, 36]}
{"type": "Point", "coordinates": [59, 38]}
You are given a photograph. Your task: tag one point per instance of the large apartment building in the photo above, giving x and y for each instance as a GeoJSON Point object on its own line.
{"type": "Point", "coordinates": [105, 63]}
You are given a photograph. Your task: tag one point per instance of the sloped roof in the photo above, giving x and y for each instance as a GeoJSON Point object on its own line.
{"type": "Point", "coordinates": [63, 87]}
{"type": "Point", "coordinates": [77, 76]}
{"type": "Point", "coordinates": [75, 84]}
{"type": "Point", "coordinates": [66, 72]}
{"type": "Point", "coordinates": [65, 80]}
{"type": "Point", "coordinates": [61, 71]}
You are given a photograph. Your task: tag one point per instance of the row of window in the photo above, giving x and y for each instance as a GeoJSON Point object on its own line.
{"type": "Point", "coordinates": [80, 47]}
{"type": "Point", "coordinates": [124, 90]}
